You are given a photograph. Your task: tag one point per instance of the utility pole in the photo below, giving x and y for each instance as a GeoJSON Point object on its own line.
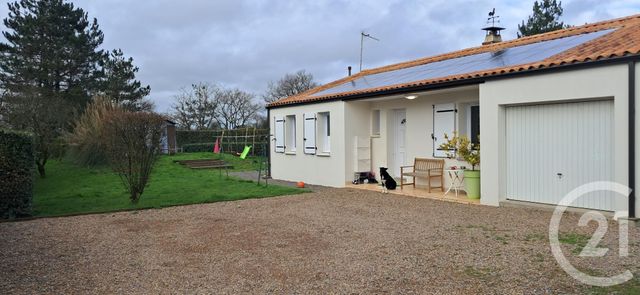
{"type": "Point", "coordinates": [362, 36]}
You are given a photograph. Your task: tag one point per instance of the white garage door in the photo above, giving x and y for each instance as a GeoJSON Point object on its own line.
{"type": "Point", "coordinates": [554, 148]}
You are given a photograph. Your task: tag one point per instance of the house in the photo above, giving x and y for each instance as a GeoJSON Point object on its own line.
{"type": "Point", "coordinates": [555, 111]}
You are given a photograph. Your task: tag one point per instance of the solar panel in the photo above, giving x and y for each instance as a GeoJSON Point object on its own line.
{"type": "Point", "coordinates": [516, 55]}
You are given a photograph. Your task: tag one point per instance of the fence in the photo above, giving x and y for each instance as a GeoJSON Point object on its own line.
{"type": "Point", "coordinates": [231, 141]}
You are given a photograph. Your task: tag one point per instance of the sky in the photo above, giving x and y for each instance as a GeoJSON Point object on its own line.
{"type": "Point", "coordinates": [246, 44]}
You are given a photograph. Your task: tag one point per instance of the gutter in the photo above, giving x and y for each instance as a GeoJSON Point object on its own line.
{"type": "Point", "coordinates": [469, 81]}
{"type": "Point", "coordinates": [632, 138]}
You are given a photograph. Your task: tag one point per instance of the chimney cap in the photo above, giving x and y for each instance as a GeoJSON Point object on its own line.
{"type": "Point", "coordinates": [493, 28]}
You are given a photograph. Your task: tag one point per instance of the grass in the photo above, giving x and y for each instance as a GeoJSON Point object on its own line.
{"type": "Point", "coordinates": [480, 273]}
{"type": "Point", "coordinates": [579, 241]}
{"type": "Point", "coordinates": [628, 288]}
{"type": "Point", "coordinates": [69, 189]}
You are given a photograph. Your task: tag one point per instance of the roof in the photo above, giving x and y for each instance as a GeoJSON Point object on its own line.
{"type": "Point", "coordinates": [581, 44]}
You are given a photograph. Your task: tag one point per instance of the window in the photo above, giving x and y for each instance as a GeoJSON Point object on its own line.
{"type": "Point", "coordinates": [474, 123]}
{"type": "Point", "coordinates": [444, 122]}
{"type": "Point", "coordinates": [279, 134]}
{"type": "Point", "coordinates": [375, 122]}
{"type": "Point", "coordinates": [324, 130]}
{"type": "Point", "coordinates": [290, 133]}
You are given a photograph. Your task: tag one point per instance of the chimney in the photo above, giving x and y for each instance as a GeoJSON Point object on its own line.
{"type": "Point", "coordinates": [493, 35]}
{"type": "Point", "coordinates": [349, 70]}
{"type": "Point", "coordinates": [493, 31]}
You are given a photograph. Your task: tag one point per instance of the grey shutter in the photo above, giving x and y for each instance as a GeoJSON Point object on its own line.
{"type": "Point", "coordinates": [279, 134]}
{"type": "Point", "coordinates": [309, 133]}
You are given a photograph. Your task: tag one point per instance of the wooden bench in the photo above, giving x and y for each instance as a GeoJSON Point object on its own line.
{"type": "Point", "coordinates": [425, 168]}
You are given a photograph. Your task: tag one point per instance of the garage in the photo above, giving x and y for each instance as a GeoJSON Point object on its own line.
{"type": "Point", "coordinates": [553, 148]}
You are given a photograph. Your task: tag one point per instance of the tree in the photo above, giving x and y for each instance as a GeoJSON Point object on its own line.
{"type": "Point", "coordinates": [289, 85]}
{"type": "Point", "coordinates": [49, 67]}
{"type": "Point", "coordinates": [545, 18]}
{"type": "Point", "coordinates": [132, 141]}
{"type": "Point", "coordinates": [120, 83]}
{"type": "Point", "coordinates": [196, 107]}
{"type": "Point", "coordinates": [236, 108]}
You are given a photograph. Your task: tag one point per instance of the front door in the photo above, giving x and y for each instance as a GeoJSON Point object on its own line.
{"type": "Point", "coordinates": [399, 141]}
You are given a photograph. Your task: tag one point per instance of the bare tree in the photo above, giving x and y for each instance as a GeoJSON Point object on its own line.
{"type": "Point", "coordinates": [133, 145]}
{"type": "Point", "coordinates": [289, 85]}
{"type": "Point", "coordinates": [196, 107]}
{"type": "Point", "coordinates": [236, 108]}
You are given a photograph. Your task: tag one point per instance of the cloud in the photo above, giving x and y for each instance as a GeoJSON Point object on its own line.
{"type": "Point", "coordinates": [246, 44]}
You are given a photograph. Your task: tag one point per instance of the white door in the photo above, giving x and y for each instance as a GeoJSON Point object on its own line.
{"type": "Point", "coordinates": [399, 141]}
{"type": "Point", "coordinates": [552, 149]}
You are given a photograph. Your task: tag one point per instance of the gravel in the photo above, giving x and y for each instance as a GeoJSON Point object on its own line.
{"type": "Point", "coordinates": [327, 241]}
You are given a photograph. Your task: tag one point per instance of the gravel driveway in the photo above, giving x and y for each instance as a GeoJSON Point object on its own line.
{"type": "Point", "coordinates": [328, 241]}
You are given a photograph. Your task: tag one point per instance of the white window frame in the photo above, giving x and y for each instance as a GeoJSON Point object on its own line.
{"type": "Point", "coordinates": [468, 115]}
{"type": "Point", "coordinates": [324, 132]}
{"type": "Point", "coordinates": [290, 134]}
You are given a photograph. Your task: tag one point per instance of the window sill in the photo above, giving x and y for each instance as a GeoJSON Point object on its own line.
{"type": "Point", "coordinates": [290, 153]}
{"type": "Point", "coordinates": [375, 135]}
{"type": "Point", "coordinates": [324, 154]}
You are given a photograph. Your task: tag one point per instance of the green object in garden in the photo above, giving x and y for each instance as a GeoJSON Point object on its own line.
{"type": "Point", "coordinates": [462, 147]}
{"type": "Point", "coordinates": [245, 152]}
{"type": "Point", "coordinates": [472, 183]}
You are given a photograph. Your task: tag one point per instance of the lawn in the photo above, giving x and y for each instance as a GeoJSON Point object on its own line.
{"type": "Point", "coordinates": [69, 189]}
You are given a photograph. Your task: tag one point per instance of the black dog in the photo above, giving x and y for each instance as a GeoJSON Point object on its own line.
{"type": "Point", "coordinates": [386, 180]}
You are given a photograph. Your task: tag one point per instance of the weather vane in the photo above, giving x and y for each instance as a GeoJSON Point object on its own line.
{"type": "Point", "coordinates": [493, 18]}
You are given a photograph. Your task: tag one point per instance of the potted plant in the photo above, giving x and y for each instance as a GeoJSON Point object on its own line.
{"type": "Point", "coordinates": [462, 147]}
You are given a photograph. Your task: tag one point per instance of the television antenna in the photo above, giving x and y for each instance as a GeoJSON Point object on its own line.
{"type": "Point", "coordinates": [362, 36]}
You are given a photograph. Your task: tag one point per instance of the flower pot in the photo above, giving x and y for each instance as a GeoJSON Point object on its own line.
{"type": "Point", "coordinates": [472, 183]}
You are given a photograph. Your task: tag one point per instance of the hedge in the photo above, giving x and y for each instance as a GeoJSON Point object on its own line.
{"type": "Point", "coordinates": [203, 136]}
{"type": "Point", "coordinates": [16, 173]}
{"type": "Point", "coordinates": [198, 147]}
{"type": "Point", "coordinates": [233, 141]}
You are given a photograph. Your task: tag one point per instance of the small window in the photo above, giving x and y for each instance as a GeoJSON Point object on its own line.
{"type": "Point", "coordinates": [474, 122]}
{"type": "Point", "coordinates": [324, 131]}
{"type": "Point", "coordinates": [290, 133]}
{"type": "Point", "coordinates": [375, 122]}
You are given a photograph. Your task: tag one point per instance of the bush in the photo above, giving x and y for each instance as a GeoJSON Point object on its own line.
{"type": "Point", "coordinates": [16, 173]}
{"type": "Point", "coordinates": [132, 142]}
{"type": "Point", "coordinates": [86, 142]}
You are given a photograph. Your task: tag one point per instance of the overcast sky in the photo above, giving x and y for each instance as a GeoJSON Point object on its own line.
{"type": "Point", "coordinates": [246, 44]}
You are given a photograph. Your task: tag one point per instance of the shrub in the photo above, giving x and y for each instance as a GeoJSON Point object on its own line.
{"type": "Point", "coordinates": [16, 173]}
{"type": "Point", "coordinates": [86, 142]}
{"type": "Point", "coordinates": [132, 142]}
{"type": "Point", "coordinates": [460, 145]}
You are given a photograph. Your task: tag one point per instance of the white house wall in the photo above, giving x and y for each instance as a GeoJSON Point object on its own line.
{"type": "Point", "coordinates": [314, 169]}
{"type": "Point", "coordinates": [419, 126]}
{"type": "Point", "coordinates": [594, 83]}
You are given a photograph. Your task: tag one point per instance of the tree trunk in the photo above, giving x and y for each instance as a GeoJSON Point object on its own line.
{"type": "Point", "coordinates": [41, 169]}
